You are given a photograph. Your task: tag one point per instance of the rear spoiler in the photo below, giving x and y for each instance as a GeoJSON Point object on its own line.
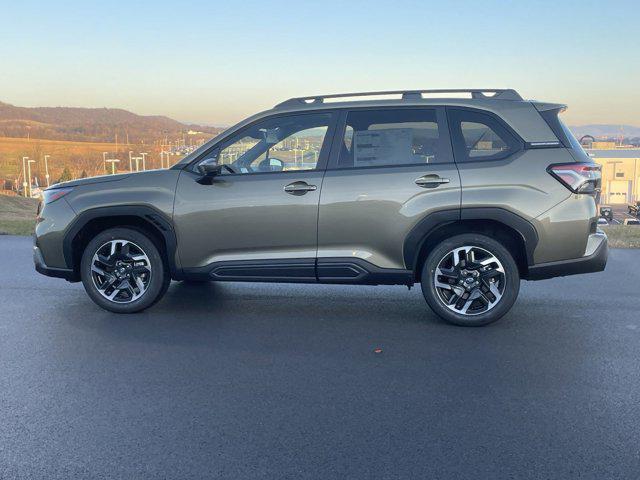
{"type": "Point", "coordinates": [545, 107]}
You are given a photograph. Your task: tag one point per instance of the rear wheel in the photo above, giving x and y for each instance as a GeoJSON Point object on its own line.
{"type": "Point", "coordinates": [122, 271]}
{"type": "Point", "coordinates": [470, 280]}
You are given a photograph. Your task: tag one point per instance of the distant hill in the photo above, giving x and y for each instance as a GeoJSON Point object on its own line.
{"type": "Point", "coordinates": [605, 130]}
{"type": "Point", "coordinates": [90, 124]}
{"type": "Point", "coordinates": [102, 124]}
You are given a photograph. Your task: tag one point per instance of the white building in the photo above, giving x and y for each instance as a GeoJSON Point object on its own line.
{"type": "Point", "coordinates": [620, 174]}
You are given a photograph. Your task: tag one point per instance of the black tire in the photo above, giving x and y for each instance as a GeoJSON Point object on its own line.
{"type": "Point", "coordinates": [511, 282]}
{"type": "Point", "coordinates": [158, 280]}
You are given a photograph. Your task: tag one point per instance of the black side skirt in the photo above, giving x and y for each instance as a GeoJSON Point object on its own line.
{"type": "Point", "coordinates": [301, 270]}
{"type": "Point", "coordinates": [361, 272]}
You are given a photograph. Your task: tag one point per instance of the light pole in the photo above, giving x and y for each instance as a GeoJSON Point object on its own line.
{"type": "Point", "coordinates": [29, 162]}
{"type": "Point", "coordinates": [130, 161]}
{"type": "Point", "coordinates": [46, 168]}
{"type": "Point", "coordinates": [24, 176]}
{"type": "Point", "coordinates": [113, 162]}
{"type": "Point", "coordinates": [144, 163]}
{"type": "Point", "coordinates": [104, 161]}
{"type": "Point", "coordinates": [137, 164]}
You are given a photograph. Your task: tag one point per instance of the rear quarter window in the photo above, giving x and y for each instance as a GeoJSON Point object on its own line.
{"type": "Point", "coordinates": [480, 136]}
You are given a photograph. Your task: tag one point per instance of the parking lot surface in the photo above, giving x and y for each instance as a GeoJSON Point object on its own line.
{"type": "Point", "coordinates": [620, 213]}
{"type": "Point", "coordinates": [245, 381]}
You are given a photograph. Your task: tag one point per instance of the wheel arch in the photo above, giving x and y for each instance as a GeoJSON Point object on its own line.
{"type": "Point", "coordinates": [140, 217]}
{"type": "Point", "coordinates": [516, 233]}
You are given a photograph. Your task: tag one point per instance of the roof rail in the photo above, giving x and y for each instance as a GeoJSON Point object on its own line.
{"type": "Point", "coordinates": [498, 94]}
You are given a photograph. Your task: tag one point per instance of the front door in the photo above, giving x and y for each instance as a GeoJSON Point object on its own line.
{"type": "Point", "coordinates": [258, 218]}
{"type": "Point", "coordinates": [390, 169]}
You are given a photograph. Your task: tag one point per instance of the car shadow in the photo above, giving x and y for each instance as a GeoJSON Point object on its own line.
{"type": "Point", "coordinates": [198, 313]}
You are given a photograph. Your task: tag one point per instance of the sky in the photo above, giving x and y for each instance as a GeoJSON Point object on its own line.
{"type": "Point", "coordinates": [218, 62]}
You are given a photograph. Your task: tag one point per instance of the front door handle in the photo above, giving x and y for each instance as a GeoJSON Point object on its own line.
{"type": "Point", "coordinates": [430, 181]}
{"type": "Point", "coordinates": [299, 188]}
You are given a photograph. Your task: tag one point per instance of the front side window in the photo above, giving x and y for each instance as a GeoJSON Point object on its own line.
{"type": "Point", "coordinates": [277, 144]}
{"type": "Point", "coordinates": [391, 137]}
{"type": "Point", "coordinates": [479, 136]}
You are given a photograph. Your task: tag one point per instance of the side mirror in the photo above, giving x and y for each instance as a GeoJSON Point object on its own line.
{"type": "Point", "coordinates": [210, 167]}
{"type": "Point", "coordinates": [271, 165]}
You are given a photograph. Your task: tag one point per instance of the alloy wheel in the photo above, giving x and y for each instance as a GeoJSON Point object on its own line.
{"type": "Point", "coordinates": [469, 280]}
{"type": "Point", "coordinates": [121, 271]}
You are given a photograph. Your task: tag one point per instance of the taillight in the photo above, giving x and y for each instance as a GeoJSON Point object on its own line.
{"type": "Point", "coordinates": [578, 177]}
{"type": "Point", "coordinates": [51, 195]}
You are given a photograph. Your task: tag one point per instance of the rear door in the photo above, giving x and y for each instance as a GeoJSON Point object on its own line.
{"type": "Point", "coordinates": [389, 169]}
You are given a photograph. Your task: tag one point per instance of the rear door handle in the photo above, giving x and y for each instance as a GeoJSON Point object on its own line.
{"type": "Point", "coordinates": [299, 188]}
{"type": "Point", "coordinates": [430, 181]}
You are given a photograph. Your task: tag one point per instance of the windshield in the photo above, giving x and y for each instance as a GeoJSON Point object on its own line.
{"type": "Point", "coordinates": [570, 137]}
{"type": "Point", "coordinates": [552, 117]}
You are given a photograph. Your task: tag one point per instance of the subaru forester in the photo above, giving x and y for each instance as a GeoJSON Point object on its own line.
{"type": "Point", "coordinates": [466, 192]}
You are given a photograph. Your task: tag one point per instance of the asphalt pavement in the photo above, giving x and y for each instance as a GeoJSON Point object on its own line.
{"type": "Point", "coordinates": [244, 381]}
{"type": "Point", "coordinates": [620, 213]}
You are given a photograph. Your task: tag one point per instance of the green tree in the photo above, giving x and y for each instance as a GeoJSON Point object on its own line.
{"type": "Point", "coordinates": [66, 175]}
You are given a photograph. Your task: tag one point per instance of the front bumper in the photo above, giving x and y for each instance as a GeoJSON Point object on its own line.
{"type": "Point", "coordinates": [594, 260]}
{"type": "Point", "coordinates": [41, 267]}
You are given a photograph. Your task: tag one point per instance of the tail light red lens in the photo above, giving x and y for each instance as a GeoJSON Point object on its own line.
{"type": "Point", "coordinates": [578, 177]}
{"type": "Point", "coordinates": [51, 195]}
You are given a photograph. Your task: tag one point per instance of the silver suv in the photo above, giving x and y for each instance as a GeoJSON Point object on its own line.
{"type": "Point", "coordinates": [466, 195]}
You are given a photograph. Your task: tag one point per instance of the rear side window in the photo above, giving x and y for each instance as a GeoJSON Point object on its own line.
{"type": "Point", "coordinates": [480, 136]}
{"type": "Point", "coordinates": [392, 137]}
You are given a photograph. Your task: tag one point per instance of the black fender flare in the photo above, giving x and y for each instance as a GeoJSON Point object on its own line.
{"type": "Point", "coordinates": [427, 225]}
{"type": "Point", "coordinates": [149, 214]}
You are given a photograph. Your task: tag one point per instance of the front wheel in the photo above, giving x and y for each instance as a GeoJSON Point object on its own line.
{"type": "Point", "coordinates": [470, 280]}
{"type": "Point", "coordinates": [122, 271]}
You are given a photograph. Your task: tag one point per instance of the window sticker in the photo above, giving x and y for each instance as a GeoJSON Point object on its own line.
{"type": "Point", "coordinates": [382, 147]}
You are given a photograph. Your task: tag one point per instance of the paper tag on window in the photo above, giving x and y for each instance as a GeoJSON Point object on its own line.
{"type": "Point", "coordinates": [382, 147]}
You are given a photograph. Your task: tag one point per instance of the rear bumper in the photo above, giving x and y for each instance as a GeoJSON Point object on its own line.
{"type": "Point", "coordinates": [594, 260]}
{"type": "Point", "coordinates": [42, 267]}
